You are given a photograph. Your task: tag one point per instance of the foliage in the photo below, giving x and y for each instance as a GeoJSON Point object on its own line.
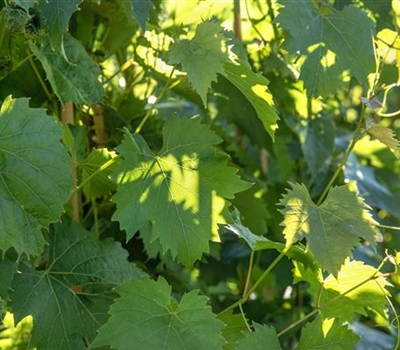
{"type": "Point", "coordinates": [199, 174]}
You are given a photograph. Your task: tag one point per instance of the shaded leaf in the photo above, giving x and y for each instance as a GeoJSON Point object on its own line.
{"type": "Point", "coordinates": [386, 136]}
{"type": "Point", "coordinates": [332, 229]}
{"type": "Point", "coordinates": [35, 179]}
{"type": "Point", "coordinates": [355, 283]}
{"type": "Point", "coordinates": [180, 189]}
{"type": "Point", "coordinates": [70, 297]}
{"type": "Point", "coordinates": [55, 16]}
{"type": "Point", "coordinates": [201, 57]}
{"type": "Point", "coordinates": [333, 42]}
{"type": "Point", "coordinates": [76, 80]}
{"type": "Point", "coordinates": [233, 330]}
{"type": "Point", "coordinates": [146, 315]}
{"type": "Point", "coordinates": [256, 242]}
{"type": "Point", "coordinates": [141, 11]}
{"type": "Point", "coordinates": [328, 334]}
{"type": "Point", "coordinates": [261, 338]}
{"type": "Point", "coordinates": [96, 172]}
{"type": "Point", "coordinates": [255, 88]}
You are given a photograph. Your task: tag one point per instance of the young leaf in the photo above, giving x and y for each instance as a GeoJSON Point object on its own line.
{"type": "Point", "coordinates": [332, 229]}
{"type": "Point", "coordinates": [180, 189]}
{"type": "Point", "coordinates": [76, 80]}
{"type": "Point", "coordinates": [261, 338]}
{"type": "Point", "coordinates": [69, 298]}
{"type": "Point", "coordinates": [332, 43]}
{"type": "Point", "coordinates": [55, 16]}
{"type": "Point", "coordinates": [327, 334]}
{"type": "Point", "coordinates": [35, 179]}
{"type": "Point", "coordinates": [146, 315]}
{"type": "Point", "coordinates": [360, 291]}
{"type": "Point", "coordinates": [386, 136]}
{"type": "Point", "coordinates": [201, 57]}
{"type": "Point", "coordinates": [255, 88]}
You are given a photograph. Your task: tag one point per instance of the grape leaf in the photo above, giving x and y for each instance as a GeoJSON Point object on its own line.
{"type": "Point", "coordinates": [180, 189]}
{"type": "Point", "coordinates": [256, 242]}
{"type": "Point", "coordinates": [254, 87]}
{"type": "Point", "coordinates": [75, 80]}
{"type": "Point", "coordinates": [69, 299]}
{"type": "Point", "coordinates": [35, 179]}
{"type": "Point", "coordinates": [235, 326]}
{"type": "Point", "coordinates": [141, 11]}
{"type": "Point", "coordinates": [95, 172]}
{"type": "Point", "coordinates": [387, 137]}
{"type": "Point", "coordinates": [145, 315]}
{"type": "Point", "coordinates": [55, 16]}
{"type": "Point", "coordinates": [259, 338]}
{"type": "Point", "coordinates": [328, 334]}
{"type": "Point", "coordinates": [332, 229]}
{"type": "Point", "coordinates": [332, 42]}
{"type": "Point", "coordinates": [360, 291]}
{"type": "Point", "coordinates": [201, 57]}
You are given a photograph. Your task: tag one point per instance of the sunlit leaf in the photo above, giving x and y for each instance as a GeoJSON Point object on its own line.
{"type": "Point", "coordinates": [386, 136]}
{"type": "Point", "coordinates": [255, 88]}
{"type": "Point", "coordinates": [201, 57]}
{"type": "Point", "coordinates": [332, 229]}
{"type": "Point", "coordinates": [333, 42]}
{"type": "Point", "coordinates": [35, 179]}
{"type": "Point", "coordinates": [357, 288]}
{"type": "Point", "coordinates": [147, 317]}
{"type": "Point", "coordinates": [70, 296]}
{"type": "Point", "coordinates": [327, 334]}
{"type": "Point", "coordinates": [180, 189]}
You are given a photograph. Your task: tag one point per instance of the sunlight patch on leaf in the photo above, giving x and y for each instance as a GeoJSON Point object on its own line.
{"type": "Point", "coordinates": [386, 136]}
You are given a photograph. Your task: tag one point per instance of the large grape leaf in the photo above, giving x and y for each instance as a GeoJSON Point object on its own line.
{"type": "Point", "coordinates": [76, 80]}
{"type": "Point", "coordinates": [255, 88]}
{"type": "Point", "coordinates": [69, 298]}
{"type": "Point", "coordinates": [147, 316]}
{"type": "Point", "coordinates": [35, 179]}
{"type": "Point", "coordinates": [332, 229]}
{"type": "Point", "coordinates": [333, 42]}
{"type": "Point", "coordinates": [201, 57]}
{"type": "Point", "coordinates": [263, 337]}
{"type": "Point", "coordinates": [55, 16]}
{"type": "Point", "coordinates": [327, 334]}
{"type": "Point", "coordinates": [180, 189]}
{"type": "Point", "coordinates": [359, 291]}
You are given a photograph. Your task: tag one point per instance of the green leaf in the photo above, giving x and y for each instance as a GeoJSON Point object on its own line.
{"type": "Point", "coordinates": [328, 334]}
{"type": "Point", "coordinates": [35, 179]}
{"type": "Point", "coordinates": [55, 16]}
{"type": "Point", "coordinates": [141, 11]}
{"type": "Point", "coordinates": [332, 229]}
{"type": "Point", "coordinates": [261, 338]}
{"type": "Point", "coordinates": [254, 87]}
{"type": "Point", "coordinates": [234, 328]}
{"type": "Point", "coordinates": [76, 80]}
{"type": "Point", "coordinates": [96, 169]}
{"type": "Point", "coordinates": [333, 42]}
{"type": "Point", "coordinates": [201, 57]}
{"type": "Point", "coordinates": [145, 315]}
{"type": "Point", "coordinates": [256, 242]}
{"type": "Point", "coordinates": [387, 137]}
{"type": "Point", "coordinates": [69, 298]}
{"type": "Point", "coordinates": [180, 189]}
{"type": "Point", "coordinates": [8, 268]}
{"type": "Point", "coordinates": [356, 288]}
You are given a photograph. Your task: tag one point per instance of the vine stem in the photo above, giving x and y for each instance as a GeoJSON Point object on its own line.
{"type": "Point", "coordinates": [345, 158]}
{"type": "Point", "coordinates": [164, 90]}
{"type": "Point", "coordinates": [248, 292]}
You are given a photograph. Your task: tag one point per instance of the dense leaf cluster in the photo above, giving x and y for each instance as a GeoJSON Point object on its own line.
{"type": "Point", "coordinates": [199, 174]}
